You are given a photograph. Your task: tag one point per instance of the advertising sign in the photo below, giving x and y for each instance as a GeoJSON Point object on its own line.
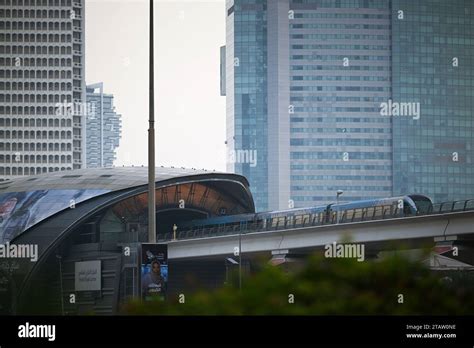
{"type": "Point", "coordinates": [154, 271]}
{"type": "Point", "coordinates": [21, 210]}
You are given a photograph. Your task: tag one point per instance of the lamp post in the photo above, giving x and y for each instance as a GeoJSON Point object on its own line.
{"type": "Point", "coordinates": [59, 257]}
{"type": "Point", "coordinates": [240, 258]}
{"type": "Point", "coordinates": [338, 193]}
{"type": "Point", "coordinates": [228, 261]}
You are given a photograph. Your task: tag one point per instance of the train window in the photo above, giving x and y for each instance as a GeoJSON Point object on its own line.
{"type": "Point", "coordinates": [470, 204]}
{"type": "Point", "coordinates": [306, 219]}
{"type": "Point", "coordinates": [297, 220]}
{"type": "Point", "coordinates": [423, 204]}
{"type": "Point", "coordinates": [364, 213]}
{"type": "Point", "coordinates": [459, 206]}
{"type": "Point", "coordinates": [317, 218]}
{"type": "Point", "coordinates": [424, 207]}
{"type": "Point", "coordinates": [370, 212]}
{"type": "Point", "coordinates": [378, 213]}
{"type": "Point", "coordinates": [397, 211]}
{"type": "Point", "coordinates": [388, 211]}
{"type": "Point", "coordinates": [343, 218]}
{"type": "Point", "coordinates": [446, 207]}
{"type": "Point", "coordinates": [350, 215]}
{"type": "Point", "coordinates": [358, 214]}
{"type": "Point", "coordinates": [407, 209]}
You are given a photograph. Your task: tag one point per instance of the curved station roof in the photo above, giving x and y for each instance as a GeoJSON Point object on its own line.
{"type": "Point", "coordinates": [26, 202]}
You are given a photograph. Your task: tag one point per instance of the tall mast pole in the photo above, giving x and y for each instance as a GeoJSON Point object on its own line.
{"type": "Point", "coordinates": [151, 140]}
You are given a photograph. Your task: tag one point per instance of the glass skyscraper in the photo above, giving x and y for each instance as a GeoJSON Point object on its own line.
{"type": "Point", "coordinates": [353, 95]}
{"type": "Point", "coordinates": [246, 90]}
{"type": "Point", "coordinates": [433, 64]}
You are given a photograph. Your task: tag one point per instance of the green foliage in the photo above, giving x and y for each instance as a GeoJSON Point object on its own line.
{"type": "Point", "coordinates": [326, 287]}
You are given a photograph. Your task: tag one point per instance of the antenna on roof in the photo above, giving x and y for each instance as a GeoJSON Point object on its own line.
{"type": "Point", "coordinates": [151, 140]}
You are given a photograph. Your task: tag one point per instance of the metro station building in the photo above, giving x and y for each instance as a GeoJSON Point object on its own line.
{"type": "Point", "coordinates": [96, 214]}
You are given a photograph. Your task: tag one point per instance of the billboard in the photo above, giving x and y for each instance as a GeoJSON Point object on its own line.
{"type": "Point", "coordinates": [21, 210]}
{"type": "Point", "coordinates": [154, 271]}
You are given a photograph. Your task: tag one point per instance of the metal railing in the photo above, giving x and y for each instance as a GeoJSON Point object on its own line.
{"type": "Point", "coordinates": [316, 219]}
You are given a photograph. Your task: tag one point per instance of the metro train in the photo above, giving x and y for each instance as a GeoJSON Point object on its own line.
{"type": "Point", "coordinates": [409, 205]}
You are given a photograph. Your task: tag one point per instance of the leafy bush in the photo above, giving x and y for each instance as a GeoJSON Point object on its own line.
{"type": "Point", "coordinates": [327, 287]}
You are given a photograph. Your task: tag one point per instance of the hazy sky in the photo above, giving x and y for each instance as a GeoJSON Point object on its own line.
{"type": "Point", "coordinates": [190, 113]}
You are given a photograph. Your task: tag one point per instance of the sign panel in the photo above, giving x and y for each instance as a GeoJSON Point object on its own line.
{"type": "Point", "coordinates": [88, 276]}
{"type": "Point", "coordinates": [154, 270]}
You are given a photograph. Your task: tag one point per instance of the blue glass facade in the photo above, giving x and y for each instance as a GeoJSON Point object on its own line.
{"type": "Point", "coordinates": [339, 74]}
{"type": "Point", "coordinates": [248, 137]}
{"type": "Point", "coordinates": [349, 62]}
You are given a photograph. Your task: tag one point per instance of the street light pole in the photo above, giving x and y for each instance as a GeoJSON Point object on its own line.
{"type": "Point", "coordinates": [151, 140]}
{"type": "Point", "coordinates": [338, 193]}
{"type": "Point", "coordinates": [59, 257]}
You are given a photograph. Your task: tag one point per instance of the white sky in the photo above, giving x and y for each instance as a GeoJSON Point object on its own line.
{"type": "Point", "coordinates": [189, 111]}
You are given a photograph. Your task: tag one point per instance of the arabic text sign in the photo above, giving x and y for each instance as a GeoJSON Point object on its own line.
{"type": "Point", "coordinates": [88, 276]}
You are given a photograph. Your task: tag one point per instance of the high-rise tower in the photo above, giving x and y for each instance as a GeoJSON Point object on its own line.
{"type": "Point", "coordinates": [42, 87]}
{"type": "Point", "coordinates": [371, 97]}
